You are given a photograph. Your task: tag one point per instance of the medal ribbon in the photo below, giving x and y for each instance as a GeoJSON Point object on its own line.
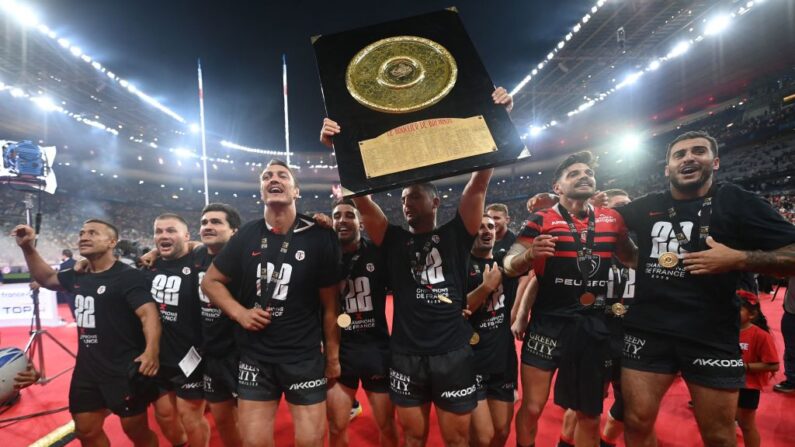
{"type": "Point", "coordinates": [584, 252]}
{"type": "Point", "coordinates": [703, 229]}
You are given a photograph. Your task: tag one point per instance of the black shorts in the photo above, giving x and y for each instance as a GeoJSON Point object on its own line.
{"type": "Point", "coordinates": [116, 395]}
{"type": "Point", "coordinates": [543, 344]}
{"type": "Point", "coordinates": [220, 377]}
{"type": "Point", "coordinates": [172, 379]}
{"type": "Point", "coordinates": [447, 380]}
{"type": "Point", "coordinates": [302, 382]}
{"type": "Point", "coordinates": [702, 364]}
{"type": "Point", "coordinates": [579, 347]}
{"type": "Point", "coordinates": [748, 399]}
{"type": "Point", "coordinates": [370, 366]}
{"type": "Point", "coordinates": [496, 386]}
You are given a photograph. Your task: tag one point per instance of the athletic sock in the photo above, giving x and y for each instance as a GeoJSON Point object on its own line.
{"type": "Point", "coordinates": [565, 442]}
{"type": "Point", "coordinates": [605, 443]}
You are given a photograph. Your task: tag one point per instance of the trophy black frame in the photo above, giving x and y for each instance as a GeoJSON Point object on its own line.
{"type": "Point", "coordinates": [471, 96]}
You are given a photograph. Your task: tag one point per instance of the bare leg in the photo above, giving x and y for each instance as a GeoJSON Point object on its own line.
{"type": "Point", "coordinates": [454, 427]}
{"type": "Point", "coordinates": [339, 401]}
{"type": "Point", "coordinates": [586, 433]}
{"type": "Point", "coordinates": [481, 429]}
{"type": "Point", "coordinates": [191, 413]}
{"type": "Point", "coordinates": [501, 417]}
{"type": "Point", "coordinates": [256, 422]}
{"type": "Point", "coordinates": [569, 426]}
{"type": "Point", "coordinates": [384, 413]}
{"type": "Point", "coordinates": [137, 429]}
{"type": "Point", "coordinates": [643, 392]}
{"type": "Point", "coordinates": [225, 415]}
{"type": "Point", "coordinates": [310, 424]}
{"type": "Point", "coordinates": [746, 419]}
{"type": "Point", "coordinates": [88, 428]}
{"type": "Point", "coordinates": [416, 423]}
{"type": "Point", "coordinates": [715, 411]}
{"type": "Point", "coordinates": [168, 419]}
{"type": "Point", "coordinates": [535, 392]}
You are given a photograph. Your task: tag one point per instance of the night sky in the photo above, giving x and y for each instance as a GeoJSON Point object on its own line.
{"type": "Point", "coordinates": [155, 45]}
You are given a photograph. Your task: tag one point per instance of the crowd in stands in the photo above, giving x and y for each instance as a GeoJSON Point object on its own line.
{"type": "Point", "coordinates": [757, 143]}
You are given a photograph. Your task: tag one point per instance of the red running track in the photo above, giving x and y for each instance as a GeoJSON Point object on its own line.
{"type": "Point", "coordinates": [675, 427]}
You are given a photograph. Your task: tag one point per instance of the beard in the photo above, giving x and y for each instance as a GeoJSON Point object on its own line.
{"type": "Point", "coordinates": [576, 195]}
{"type": "Point", "coordinates": [692, 186]}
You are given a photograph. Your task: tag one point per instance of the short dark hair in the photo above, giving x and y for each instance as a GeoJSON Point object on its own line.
{"type": "Point", "coordinates": [232, 216]}
{"type": "Point", "coordinates": [713, 143]}
{"type": "Point", "coordinates": [66, 252]}
{"type": "Point", "coordinates": [500, 207]}
{"type": "Point", "coordinates": [282, 163]}
{"type": "Point", "coordinates": [112, 227]}
{"type": "Point", "coordinates": [428, 187]}
{"type": "Point", "coordinates": [610, 193]}
{"type": "Point", "coordinates": [585, 157]}
{"type": "Point", "coordinates": [165, 216]}
{"type": "Point", "coordinates": [343, 201]}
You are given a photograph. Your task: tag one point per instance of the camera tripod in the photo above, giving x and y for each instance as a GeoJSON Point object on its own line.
{"type": "Point", "coordinates": [35, 346]}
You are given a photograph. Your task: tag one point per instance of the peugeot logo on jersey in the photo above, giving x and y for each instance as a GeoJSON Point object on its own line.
{"type": "Point", "coordinates": [370, 267]}
{"type": "Point", "coordinates": [186, 270]}
{"type": "Point", "coordinates": [101, 290]}
{"type": "Point", "coordinates": [299, 255]}
{"type": "Point", "coordinates": [435, 238]}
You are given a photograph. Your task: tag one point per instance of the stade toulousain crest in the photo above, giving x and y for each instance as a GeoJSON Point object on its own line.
{"type": "Point", "coordinates": [592, 262]}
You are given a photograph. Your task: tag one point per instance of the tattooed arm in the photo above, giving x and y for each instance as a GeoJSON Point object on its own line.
{"type": "Point", "coordinates": [719, 258]}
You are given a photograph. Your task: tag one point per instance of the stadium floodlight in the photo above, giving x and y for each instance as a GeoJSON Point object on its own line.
{"type": "Point", "coordinates": [535, 131]}
{"type": "Point", "coordinates": [24, 14]}
{"type": "Point", "coordinates": [630, 79]}
{"type": "Point", "coordinates": [717, 24]}
{"type": "Point", "coordinates": [194, 128]}
{"type": "Point", "coordinates": [679, 49]}
{"type": "Point", "coordinates": [76, 51]}
{"type": "Point", "coordinates": [45, 103]}
{"type": "Point", "coordinates": [630, 142]}
{"type": "Point", "coordinates": [655, 64]}
{"type": "Point", "coordinates": [182, 152]}
{"type": "Point", "coordinates": [17, 92]}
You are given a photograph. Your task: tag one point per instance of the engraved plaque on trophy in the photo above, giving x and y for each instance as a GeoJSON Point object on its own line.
{"type": "Point", "coordinates": [414, 103]}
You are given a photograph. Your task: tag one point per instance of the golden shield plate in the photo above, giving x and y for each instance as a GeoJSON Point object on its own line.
{"type": "Point", "coordinates": [401, 74]}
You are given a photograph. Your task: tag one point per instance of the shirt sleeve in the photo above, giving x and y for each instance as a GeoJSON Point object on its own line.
{"type": "Point", "coordinates": [228, 260]}
{"type": "Point", "coordinates": [629, 214]}
{"type": "Point", "coordinates": [531, 228]}
{"type": "Point", "coordinates": [762, 227]}
{"type": "Point", "coordinates": [67, 280]}
{"type": "Point", "coordinates": [767, 348]}
{"type": "Point", "coordinates": [461, 231]}
{"type": "Point", "coordinates": [136, 290]}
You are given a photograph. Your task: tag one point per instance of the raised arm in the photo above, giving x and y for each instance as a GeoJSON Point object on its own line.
{"type": "Point", "coordinates": [214, 286]}
{"type": "Point", "coordinates": [473, 200]}
{"type": "Point", "coordinates": [150, 321]}
{"type": "Point", "coordinates": [41, 272]}
{"type": "Point", "coordinates": [331, 333]}
{"type": "Point", "coordinates": [373, 218]}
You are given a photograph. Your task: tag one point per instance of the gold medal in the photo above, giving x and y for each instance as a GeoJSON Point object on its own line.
{"type": "Point", "coordinates": [618, 309]}
{"type": "Point", "coordinates": [444, 299]}
{"type": "Point", "coordinates": [587, 299]}
{"type": "Point", "coordinates": [474, 339]}
{"type": "Point", "coordinates": [668, 260]}
{"type": "Point", "coordinates": [343, 320]}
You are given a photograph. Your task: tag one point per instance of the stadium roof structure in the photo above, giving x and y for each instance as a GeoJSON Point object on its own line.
{"type": "Point", "coordinates": [622, 41]}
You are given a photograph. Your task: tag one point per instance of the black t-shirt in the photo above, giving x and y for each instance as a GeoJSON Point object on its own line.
{"type": "Point", "coordinates": [674, 302]}
{"type": "Point", "coordinates": [492, 320]}
{"type": "Point", "coordinates": [423, 323]}
{"type": "Point", "coordinates": [110, 335]}
{"type": "Point", "coordinates": [174, 285]}
{"type": "Point", "coordinates": [312, 262]}
{"type": "Point", "coordinates": [365, 302]}
{"type": "Point", "coordinates": [218, 331]}
{"type": "Point", "coordinates": [503, 245]}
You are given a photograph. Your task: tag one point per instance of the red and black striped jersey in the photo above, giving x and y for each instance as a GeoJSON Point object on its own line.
{"type": "Point", "coordinates": [559, 278]}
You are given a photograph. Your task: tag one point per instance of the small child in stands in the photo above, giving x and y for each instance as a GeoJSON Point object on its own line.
{"type": "Point", "coordinates": [760, 359]}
